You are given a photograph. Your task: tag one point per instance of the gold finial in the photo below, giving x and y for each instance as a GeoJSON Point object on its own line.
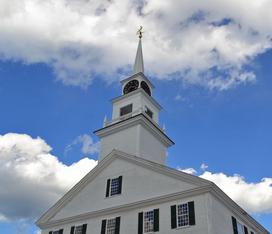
{"type": "Point", "coordinates": [140, 32]}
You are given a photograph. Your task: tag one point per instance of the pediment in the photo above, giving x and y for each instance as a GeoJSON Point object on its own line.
{"type": "Point", "coordinates": [142, 180]}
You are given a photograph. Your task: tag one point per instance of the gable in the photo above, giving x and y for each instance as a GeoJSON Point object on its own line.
{"type": "Point", "coordinates": [138, 184]}
{"type": "Point", "coordinates": [142, 180]}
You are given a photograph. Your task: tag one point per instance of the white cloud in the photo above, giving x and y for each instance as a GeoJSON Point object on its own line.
{"type": "Point", "coordinates": [204, 166]}
{"type": "Point", "coordinates": [208, 43]}
{"type": "Point", "coordinates": [88, 146]}
{"type": "Point", "coordinates": [253, 197]}
{"type": "Point", "coordinates": [191, 171]}
{"type": "Point", "coordinates": [31, 178]}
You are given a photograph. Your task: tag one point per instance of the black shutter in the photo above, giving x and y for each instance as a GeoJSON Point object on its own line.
{"type": "Point", "coordinates": [117, 225]}
{"type": "Point", "coordinates": [50, 232]}
{"type": "Point", "coordinates": [251, 232]}
{"type": "Point", "coordinates": [72, 230]}
{"type": "Point", "coordinates": [234, 225]}
{"type": "Point", "coordinates": [120, 184]}
{"type": "Point", "coordinates": [174, 217]}
{"type": "Point", "coordinates": [61, 231]}
{"type": "Point", "coordinates": [245, 230]}
{"type": "Point", "coordinates": [108, 188]}
{"type": "Point", "coordinates": [191, 213]}
{"type": "Point", "coordinates": [156, 220]}
{"type": "Point", "coordinates": [84, 228]}
{"type": "Point", "coordinates": [140, 223]}
{"type": "Point", "coordinates": [103, 226]}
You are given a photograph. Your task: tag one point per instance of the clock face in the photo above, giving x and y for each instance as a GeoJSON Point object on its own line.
{"type": "Point", "coordinates": [131, 86]}
{"type": "Point", "coordinates": [145, 87]}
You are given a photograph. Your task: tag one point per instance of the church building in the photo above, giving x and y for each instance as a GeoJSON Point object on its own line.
{"type": "Point", "coordinates": [132, 190]}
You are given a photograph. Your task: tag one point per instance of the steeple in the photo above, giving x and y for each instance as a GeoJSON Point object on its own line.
{"type": "Point", "coordinates": [134, 126]}
{"type": "Point", "coordinates": [139, 61]}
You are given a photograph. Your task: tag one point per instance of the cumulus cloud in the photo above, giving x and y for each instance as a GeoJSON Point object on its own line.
{"type": "Point", "coordinates": [88, 146]}
{"type": "Point", "coordinates": [204, 166]}
{"type": "Point", "coordinates": [253, 197]}
{"type": "Point", "coordinates": [31, 178]}
{"type": "Point", "coordinates": [191, 171]}
{"type": "Point", "coordinates": [209, 43]}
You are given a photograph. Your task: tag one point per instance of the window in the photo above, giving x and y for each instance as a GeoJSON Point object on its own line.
{"type": "Point", "coordinates": [126, 110]}
{"type": "Point", "coordinates": [111, 226]}
{"type": "Point", "coordinates": [114, 186]}
{"type": "Point", "coordinates": [149, 112]}
{"type": "Point", "coordinates": [240, 228]}
{"type": "Point", "coordinates": [149, 221]}
{"type": "Point", "coordinates": [80, 229]}
{"type": "Point", "coordinates": [183, 215]}
{"type": "Point", "coordinates": [111, 223]}
{"type": "Point", "coordinates": [146, 88]}
{"type": "Point", "coordinates": [56, 232]}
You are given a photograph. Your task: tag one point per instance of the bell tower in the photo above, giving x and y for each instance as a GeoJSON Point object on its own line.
{"type": "Point", "coordinates": [134, 127]}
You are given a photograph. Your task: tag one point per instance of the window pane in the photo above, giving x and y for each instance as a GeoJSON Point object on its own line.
{"type": "Point", "coordinates": [183, 215]}
{"type": "Point", "coordinates": [240, 228]}
{"type": "Point", "coordinates": [114, 186]}
{"type": "Point", "coordinates": [126, 110]}
{"type": "Point", "coordinates": [149, 112]}
{"type": "Point", "coordinates": [149, 221]}
{"type": "Point", "coordinates": [79, 229]}
{"type": "Point", "coordinates": [111, 226]}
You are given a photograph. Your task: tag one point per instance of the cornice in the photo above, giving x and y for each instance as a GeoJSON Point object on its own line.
{"type": "Point", "coordinates": [139, 90]}
{"type": "Point", "coordinates": [159, 168]}
{"type": "Point", "coordinates": [135, 75]}
{"type": "Point", "coordinates": [132, 121]}
{"type": "Point", "coordinates": [126, 207]}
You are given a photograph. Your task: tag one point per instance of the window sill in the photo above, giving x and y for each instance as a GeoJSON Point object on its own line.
{"type": "Point", "coordinates": [115, 195]}
{"type": "Point", "coordinates": [184, 227]}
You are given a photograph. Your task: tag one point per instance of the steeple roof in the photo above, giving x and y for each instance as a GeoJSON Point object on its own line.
{"type": "Point", "coordinates": [139, 61]}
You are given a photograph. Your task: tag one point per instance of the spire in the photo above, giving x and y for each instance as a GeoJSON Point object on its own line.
{"type": "Point", "coordinates": [139, 61]}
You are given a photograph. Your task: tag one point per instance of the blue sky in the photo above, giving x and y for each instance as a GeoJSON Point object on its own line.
{"type": "Point", "coordinates": [212, 76]}
{"type": "Point", "coordinates": [229, 131]}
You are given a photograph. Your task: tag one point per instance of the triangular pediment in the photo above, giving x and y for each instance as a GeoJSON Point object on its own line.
{"type": "Point", "coordinates": [143, 180]}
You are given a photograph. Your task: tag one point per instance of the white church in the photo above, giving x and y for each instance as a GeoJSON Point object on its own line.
{"type": "Point", "coordinates": [132, 191]}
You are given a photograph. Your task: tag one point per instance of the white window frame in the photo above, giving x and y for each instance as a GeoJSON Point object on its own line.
{"type": "Point", "coordinates": [182, 215]}
{"type": "Point", "coordinates": [111, 231]}
{"type": "Point", "coordinates": [144, 223]}
{"type": "Point", "coordinates": [126, 106]}
{"type": "Point", "coordinates": [240, 228]}
{"type": "Point", "coordinates": [116, 189]}
{"type": "Point", "coordinates": [77, 227]}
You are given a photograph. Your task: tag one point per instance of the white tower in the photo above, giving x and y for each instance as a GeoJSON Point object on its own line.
{"type": "Point", "coordinates": [134, 127]}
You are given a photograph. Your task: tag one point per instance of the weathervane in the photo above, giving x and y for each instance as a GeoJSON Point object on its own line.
{"type": "Point", "coordinates": [140, 32]}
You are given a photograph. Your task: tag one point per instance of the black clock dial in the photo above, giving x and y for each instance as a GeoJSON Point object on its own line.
{"type": "Point", "coordinates": [131, 86]}
{"type": "Point", "coordinates": [145, 87]}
